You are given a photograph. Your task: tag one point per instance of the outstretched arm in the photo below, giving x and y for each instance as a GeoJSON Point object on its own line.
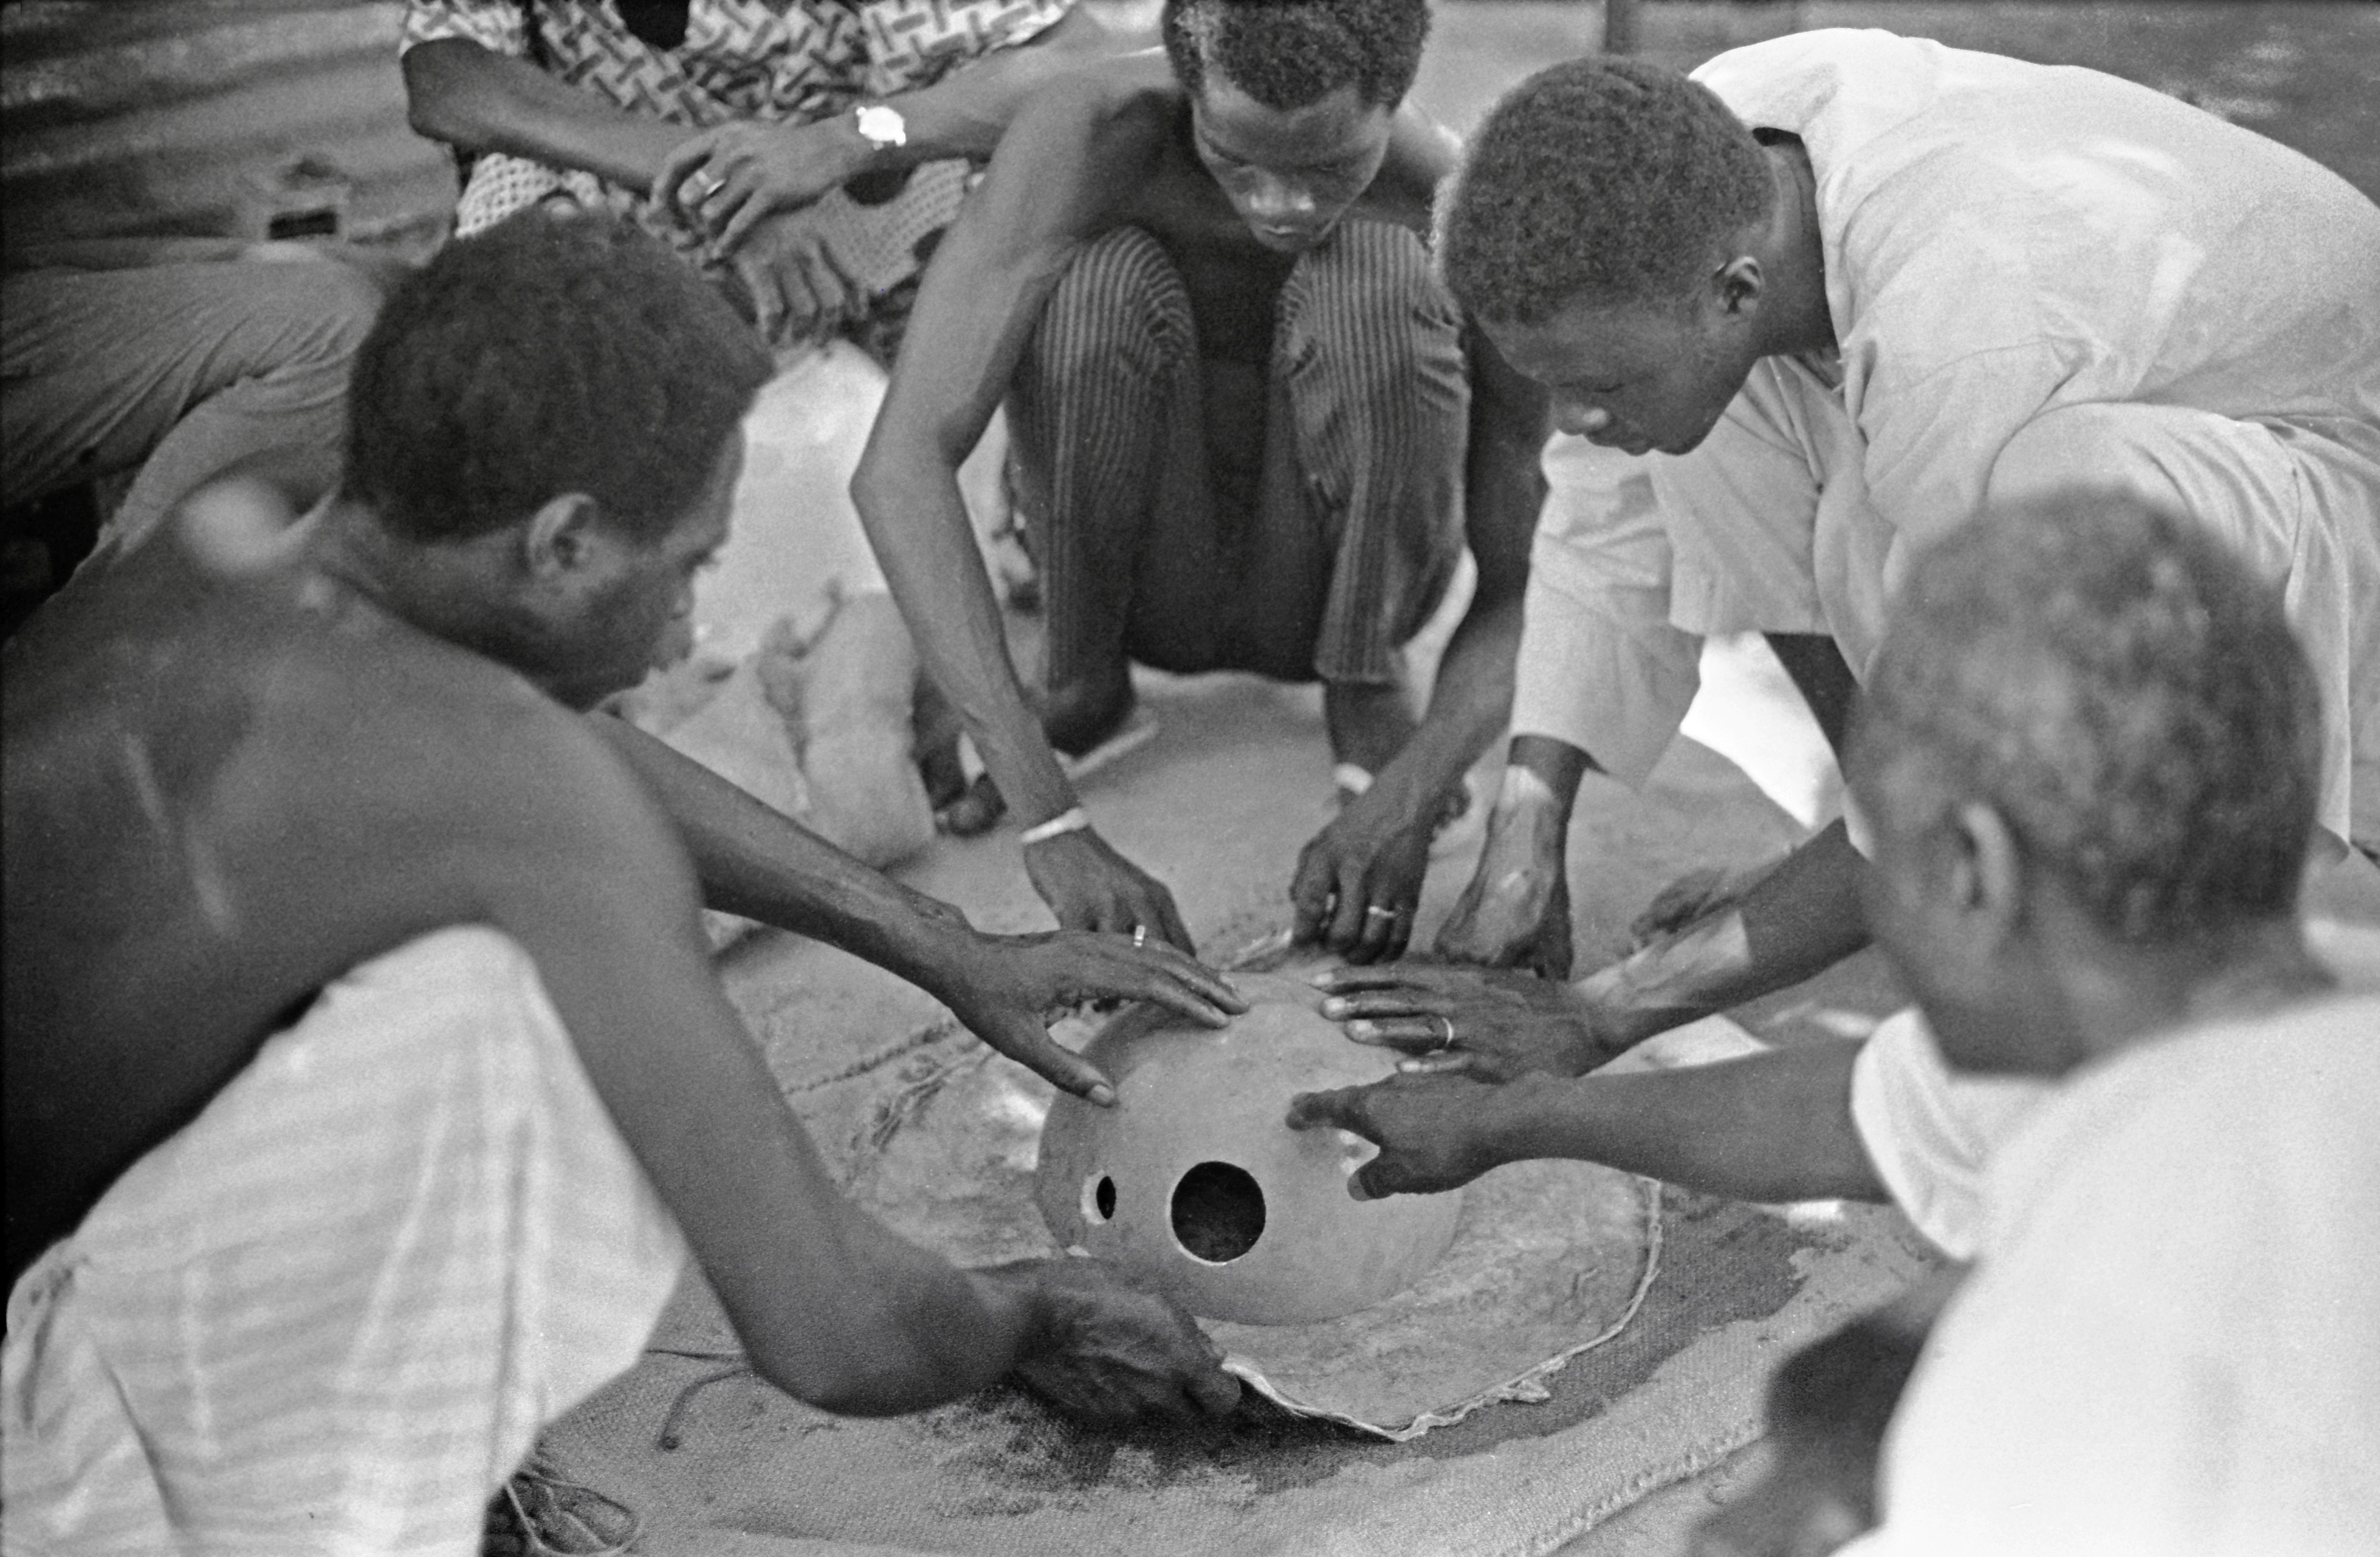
{"type": "Point", "coordinates": [588, 877]}
{"type": "Point", "coordinates": [1377, 851]}
{"type": "Point", "coordinates": [1769, 1128]}
{"type": "Point", "coordinates": [1799, 919]}
{"type": "Point", "coordinates": [1069, 156]}
{"type": "Point", "coordinates": [752, 861]}
{"type": "Point", "coordinates": [481, 101]}
{"type": "Point", "coordinates": [759, 168]}
{"type": "Point", "coordinates": [470, 96]}
{"type": "Point", "coordinates": [1802, 917]}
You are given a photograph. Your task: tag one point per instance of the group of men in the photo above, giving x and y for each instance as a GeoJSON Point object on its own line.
{"type": "Point", "coordinates": [370, 1083]}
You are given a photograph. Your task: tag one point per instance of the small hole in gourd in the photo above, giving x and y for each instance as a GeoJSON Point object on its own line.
{"type": "Point", "coordinates": [1103, 1196]}
{"type": "Point", "coordinates": [1219, 1212]}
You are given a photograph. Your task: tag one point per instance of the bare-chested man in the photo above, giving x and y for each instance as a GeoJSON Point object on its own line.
{"type": "Point", "coordinates": [368, 1080]}
{"type": "Point", "coordinates": [1255, 434]}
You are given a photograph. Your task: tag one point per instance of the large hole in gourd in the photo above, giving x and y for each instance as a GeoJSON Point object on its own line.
{"type": "Point", "coordinates": [1219, 1212]}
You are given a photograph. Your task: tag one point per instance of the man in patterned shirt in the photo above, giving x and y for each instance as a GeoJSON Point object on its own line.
{"type": "Point", "coordinates": [757, 134]}
{"type": "Point", "coordinates": [803, 156]}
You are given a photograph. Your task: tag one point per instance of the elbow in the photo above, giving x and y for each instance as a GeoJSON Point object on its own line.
{"type": "Point", "coordinates": [870, 487]}
{"type": "Point", "coordinates": [437, 92]}
{"type": "Point", "coordinates": [854, 1393]}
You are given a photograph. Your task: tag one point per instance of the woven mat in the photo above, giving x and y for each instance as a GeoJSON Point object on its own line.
{"type": "Point", "coordinates": [1231, 789]}
{"type": "Point", "coordinates": [747, 1469]}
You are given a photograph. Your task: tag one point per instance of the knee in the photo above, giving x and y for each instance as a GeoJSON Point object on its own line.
{"type": "Point", "coordinates": [1121, 299]}
{"type": "Point", "coordinates": [1367, 297]}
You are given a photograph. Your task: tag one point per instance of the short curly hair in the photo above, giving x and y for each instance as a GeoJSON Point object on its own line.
{"type": "Point", "coordinates": [556, 352]}
{"type": "Point", "coordinates": [1288, 53]}
{"type": "Point", "coordinates": [1604, 181]}
{"type": "Point", "coordinates": [2115, 684]}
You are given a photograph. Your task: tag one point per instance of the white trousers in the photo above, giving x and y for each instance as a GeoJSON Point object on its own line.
{"type": "Point", "coordinates": [329, 1315]}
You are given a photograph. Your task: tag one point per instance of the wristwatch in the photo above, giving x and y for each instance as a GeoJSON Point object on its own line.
{"type": "Point", "coordinates": [881, 126]}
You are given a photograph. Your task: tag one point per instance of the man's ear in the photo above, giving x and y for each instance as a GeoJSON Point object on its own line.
{"type": "Point", "coordinates": [563, 539]}
{"type": "Point", "coordinates": [1988, 871]}
{"type": "Point", "coordinates": [1739, 286]}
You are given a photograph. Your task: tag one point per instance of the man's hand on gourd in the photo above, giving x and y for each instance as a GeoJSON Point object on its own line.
{"type": "Point", "coordinates": [1006, 987]}
{"type": "Point", "coordinates": [1434, 1132]}
{"type": "Point", "coordinates": [1358, 880]}
{"type": "Point", "coordinates": [1491, 1024]}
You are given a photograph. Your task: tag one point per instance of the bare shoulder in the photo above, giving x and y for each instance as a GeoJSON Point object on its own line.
{"type": "Point", "coordinates": [1422, 155]}
{"type": "Point", "coordinates": [433, 735]}
{"type": "Point", "coordinates": [1103, 123]}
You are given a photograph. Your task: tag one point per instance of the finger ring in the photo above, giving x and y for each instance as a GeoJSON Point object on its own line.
{"type": "Point", "coordinates": [1377, 912]}
{"type": "Point", "coordinates": [1139, 936]}
{"type": "Point", "coordinates": [707, 184]}
{"type": "Point", "coordinates": [1447, 1042]}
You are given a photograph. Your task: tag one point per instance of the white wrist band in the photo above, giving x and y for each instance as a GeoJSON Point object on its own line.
{"type": "Point", "coordinates": [1072, 820]}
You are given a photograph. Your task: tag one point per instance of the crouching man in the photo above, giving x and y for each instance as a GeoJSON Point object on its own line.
{"type": "Point", "coordinates": [1254, 434]}
{"type": "Point", "coordinates": [369, 1082]}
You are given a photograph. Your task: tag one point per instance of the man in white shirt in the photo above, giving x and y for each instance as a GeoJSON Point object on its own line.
{"type": "Point", "coordinates": [1852, 286]}
{"type": "Point", "coordinates": [2090, 765]}
{"type": "Point", "coordinates": [1841, 288]}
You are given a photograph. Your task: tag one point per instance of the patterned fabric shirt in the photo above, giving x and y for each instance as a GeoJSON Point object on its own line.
{"type": "Point", "coordinates": [767, 59]}
{"type": "Point", "coordinates": [797, 60]}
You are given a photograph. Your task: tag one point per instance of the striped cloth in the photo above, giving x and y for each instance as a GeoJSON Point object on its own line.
{"type": "Point", "coordinates": [329, 1315]}
{"type": "Point", "coordinates": [1316, 554]}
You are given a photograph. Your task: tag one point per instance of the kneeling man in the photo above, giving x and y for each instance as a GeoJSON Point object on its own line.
{"type": "Point", "coordinates": [1843, 289]}
{"type": "Point", "coordinates": [1255, 433]}
{"type": "Point", "coordinates": [369, 1083]}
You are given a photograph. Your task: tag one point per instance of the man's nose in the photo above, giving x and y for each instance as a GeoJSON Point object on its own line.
{"type": "Point", "coordinates": [1275, 200]}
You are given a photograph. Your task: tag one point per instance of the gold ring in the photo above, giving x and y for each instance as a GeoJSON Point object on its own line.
{"type": "Point", "coordinates": [709, 184]}
{"type": "Point", "coordinates": [1377, 912]}
{"type": "Point", "coordinates": [1139, 936]}
{"type": "Point", "coordinates": [1447, 1042]}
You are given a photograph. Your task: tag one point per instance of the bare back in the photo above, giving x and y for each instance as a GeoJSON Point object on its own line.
{"type": "Point", "coordinates": [225, 788]}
